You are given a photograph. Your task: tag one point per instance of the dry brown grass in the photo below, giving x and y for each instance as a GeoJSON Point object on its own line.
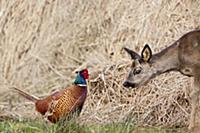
{"type": "Point", "coordinates": [43, 42]}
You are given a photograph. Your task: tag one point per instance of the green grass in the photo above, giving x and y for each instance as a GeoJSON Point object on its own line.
{"type": "Point", "coordinates": [73, 127]}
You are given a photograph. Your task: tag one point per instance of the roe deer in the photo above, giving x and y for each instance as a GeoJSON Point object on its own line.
{"type": "Point", "coordinates": [183, 56]}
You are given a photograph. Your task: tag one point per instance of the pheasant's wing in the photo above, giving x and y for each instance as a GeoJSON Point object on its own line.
{"type": "Point", "coordinates": [57, 94]}
{"type": "Point", "coordinates": [53, 100]}
{"type": "Point", "coordinates": [70, 99]}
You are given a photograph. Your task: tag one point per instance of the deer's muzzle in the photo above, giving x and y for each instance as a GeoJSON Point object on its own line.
{"type": "Point", "coordinates": [128, 84]}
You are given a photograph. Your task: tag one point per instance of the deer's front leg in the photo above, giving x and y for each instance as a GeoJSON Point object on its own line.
{"type": "Point", "coordinates": [195, 94]}
{"type": "Point", "coordinates": [194, 102]}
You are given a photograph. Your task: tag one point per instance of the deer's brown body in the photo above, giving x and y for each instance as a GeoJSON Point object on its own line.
{"type": "Point", "coordinates": [183, 56]}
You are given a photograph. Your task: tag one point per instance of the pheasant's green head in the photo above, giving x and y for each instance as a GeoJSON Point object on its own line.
{"type": "Point", "coordinates": [81, 77]}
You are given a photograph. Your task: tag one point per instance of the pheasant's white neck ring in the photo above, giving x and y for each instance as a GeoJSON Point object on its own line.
{"type": "Point", "coordinates": [81, 85]}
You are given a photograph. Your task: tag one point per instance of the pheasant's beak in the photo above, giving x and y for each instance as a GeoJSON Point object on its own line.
{"type": "Point", "coordinates": [87, 81]}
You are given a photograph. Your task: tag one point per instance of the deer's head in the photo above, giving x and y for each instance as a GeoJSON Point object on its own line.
{"type": "Point", "coordinates": [141, 69]}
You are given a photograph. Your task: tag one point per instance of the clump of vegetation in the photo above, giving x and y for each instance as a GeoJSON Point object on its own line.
{"type": "Point", "coordinates": [62, 127]}
{"type": "Point", "coordinates": [43, 43]}
{"type": "Point", "coordinates": [37, 126]}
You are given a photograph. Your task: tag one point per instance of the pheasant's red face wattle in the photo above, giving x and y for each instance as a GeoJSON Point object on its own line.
{"type": "Point", "coordinates": [85, 74]}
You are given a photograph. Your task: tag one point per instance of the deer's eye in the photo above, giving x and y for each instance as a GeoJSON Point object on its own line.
{"type": "Point", "coordinates": [137, 71]}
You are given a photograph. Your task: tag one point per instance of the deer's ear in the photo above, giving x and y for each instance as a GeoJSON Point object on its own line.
{"type": "Point", "coordinates": [146, 53]}
{"type": "Point", "coordinates": [133, 54]}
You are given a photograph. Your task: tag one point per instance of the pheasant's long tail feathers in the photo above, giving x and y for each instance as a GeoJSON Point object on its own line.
{"type": "Point", "coordinates": [26, 95]}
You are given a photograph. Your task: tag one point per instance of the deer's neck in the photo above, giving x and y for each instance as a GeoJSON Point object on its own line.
{"type": "Point", "coordinates": [166, 60]}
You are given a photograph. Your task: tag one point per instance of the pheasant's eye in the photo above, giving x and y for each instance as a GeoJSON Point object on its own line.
{"type": "Point", "coordinates": [137, 71]}
{"type": "Point", "coordinates": [85, 73]}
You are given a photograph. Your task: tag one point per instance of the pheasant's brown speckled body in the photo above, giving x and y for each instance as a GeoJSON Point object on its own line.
{"type": "Point", "coordinates": [68, 102]}
{"type": "Point", "coordinates": [63, 103]}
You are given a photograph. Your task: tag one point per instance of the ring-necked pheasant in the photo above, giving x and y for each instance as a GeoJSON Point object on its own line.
{"type": "Point", "coordinates": [63, 103]}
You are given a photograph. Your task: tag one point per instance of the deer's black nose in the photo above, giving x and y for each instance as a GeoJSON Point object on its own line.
{"type": "Point", "coordinates": [128, 84]}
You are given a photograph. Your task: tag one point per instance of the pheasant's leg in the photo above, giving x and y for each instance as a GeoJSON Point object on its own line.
{"type": "Point", "coordinates": [45, 118]}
